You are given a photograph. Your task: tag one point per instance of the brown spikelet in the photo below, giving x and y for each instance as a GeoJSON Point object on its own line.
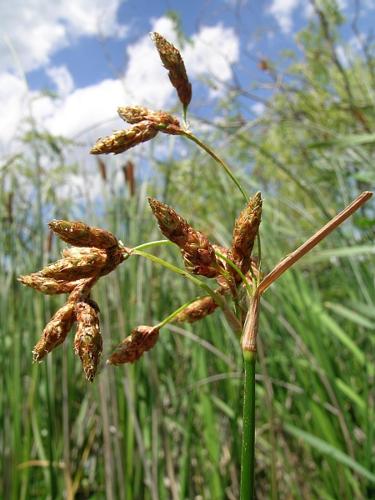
{"type": "Point", "coordinates": [48, 286]}
{"type": "Point", "coordinates": [88, 343]}
{"type": "Point", "coordinates": [245, 231]}
{"type": "Point", "coordinates": [122, 140]}
{"type": "Point", "coordinates": [173, 226]}
{"type": "Point", "coordinates": [129, 176]}
{"type": "Point", "coordinates": [173, 62]}
{"type": "Point", "coordinates": [199, 255]}
{"type": "Point", "coordinates": [55, 332]}
{"type": "Point", "coordinates": [77, 267]}
{"type": "Point", "coordinates": [141, 339]}
{"type": "Point", "coordinates": [197, 310]}
{"type": "Point", "coordinates": [79, 234]}
{"type": "Point", "coordinates": [164, 121]}
{"type": "Point", "coordinates": [197, 251]}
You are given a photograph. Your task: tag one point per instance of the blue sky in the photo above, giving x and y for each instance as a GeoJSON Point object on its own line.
{"type": "Point", "coordinates": [96, 54]}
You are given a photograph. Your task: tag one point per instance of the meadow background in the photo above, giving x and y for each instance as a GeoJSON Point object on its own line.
{"type": "Point", "coordinates": [300, 127]}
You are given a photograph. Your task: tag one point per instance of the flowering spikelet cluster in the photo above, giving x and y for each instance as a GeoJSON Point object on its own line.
{"type": "Point", "coordinates": [146, 124]}
{"type": "Point", "coordinates": [244, 233]}
{"type": "Point", "coordinates": [197, 252]}
{"type": "Point", "coordinates": [95, 253]}
{"type": "Point", "coordinates": [173, 62]}
{"type": "Point", "coordinates": [142, 339]}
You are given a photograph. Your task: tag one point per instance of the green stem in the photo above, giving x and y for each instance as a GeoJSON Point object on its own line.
{"type": "Point", "coordinates": [217, 158]}
{"type": "Point", "coordinates": [175, 313]}
{"type": "Point", "coordinates": [248, 433]}
{"type": "Point", "coordinates": [238, 270]}
{"type": "Point", "coordinates": [220, 301]}
{"type": "Point", "coordinates": [152, 244]}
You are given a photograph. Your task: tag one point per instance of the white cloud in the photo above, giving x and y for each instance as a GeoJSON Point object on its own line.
{"type": "Point", "coordinates": [13, 102]}
{"type": "Point", "coordinates": [258, 108]}
{"type": "Point", "coordinates": [213, 50]}
{"type": "Point", "coordinates": [62, 78]}
{"type": "Point", "coordinates": [282, 11]}
{"type": "Point", "coordinates": [32, 30]}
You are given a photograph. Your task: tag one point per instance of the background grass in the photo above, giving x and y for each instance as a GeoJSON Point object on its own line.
{"type": "Point", "coordinates": [170, 426]}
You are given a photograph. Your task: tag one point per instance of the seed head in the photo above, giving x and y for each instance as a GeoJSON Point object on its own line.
{"type": "Point", "coordinates": [199, 255]}
{"type": "Point", "coordinates": [141, 339]}
{"type": "Point", "coordinates": [173, 226]}
{"type": "Point", "coordinates": [48, 286]}
{"type": "Point", "coordinates": [197, 310]}
{"type": "Point", "coordinates": [55, 332]}
{"type": "Point", "coordinates": [88, 343]}
{"type": "Point", "coordinates": [245, 231]}
{"type": "Point", "coordinates": [197, 251]}
{"type": "Point", "coordinates": [80, 234]}
{"type": "Point", "coordinates": [122, 140]}
{"type": "Point", "coordinates": [173, 62]}
{"type": "Point", "coordinates": [164, 121]}
{"type": "Point", "coordinates": [77, 267]}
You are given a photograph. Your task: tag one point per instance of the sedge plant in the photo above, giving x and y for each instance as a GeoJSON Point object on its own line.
{"type": "Point", "coordinates": [237, 281]}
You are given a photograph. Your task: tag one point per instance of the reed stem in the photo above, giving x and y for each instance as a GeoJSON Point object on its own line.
{"type": "Point", "coordinates": [248, 432]}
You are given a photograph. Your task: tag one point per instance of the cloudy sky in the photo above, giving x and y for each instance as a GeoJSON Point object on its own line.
{"type": "Point", "coordinates": [95, 55]}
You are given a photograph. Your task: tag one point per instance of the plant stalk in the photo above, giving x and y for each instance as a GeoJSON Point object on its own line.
{"type": "Point", "coordinates": [248, 432]}
{"type": "Point", "coordinates": [219, 160]}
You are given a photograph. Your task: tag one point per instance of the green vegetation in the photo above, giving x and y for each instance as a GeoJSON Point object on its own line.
{"type": "Point", "coordinates": [170, 426]}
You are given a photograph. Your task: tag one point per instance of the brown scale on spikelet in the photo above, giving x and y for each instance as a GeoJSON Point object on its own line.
{"type": "Point", "coordinates": [142, 339]}
{"type": "Point", "coordinates": [197, 251]}
{"type": "Point", "coordinates": [79, 234]}
{"type": "Point", "coordinates": [48, 286]}
{"type": "Point", "coordinates": [173, 226]}
{"type": "Point", "coordinates": [77, 267]}
{"type": "Point", "coordinates": [88, 343]}
{"type": "Point", "coordinates": [55, 332]}
{"type": "Point", "coordinates": [173, 62]}
{"type": "Point", "coordinates": [164, 121]}
{"type": "Point", "coordinates": [122, 140]}
{"type": "Point", "coordinates": [197, 310]}
{"type": "Point", "coordinates": [244, 233]}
